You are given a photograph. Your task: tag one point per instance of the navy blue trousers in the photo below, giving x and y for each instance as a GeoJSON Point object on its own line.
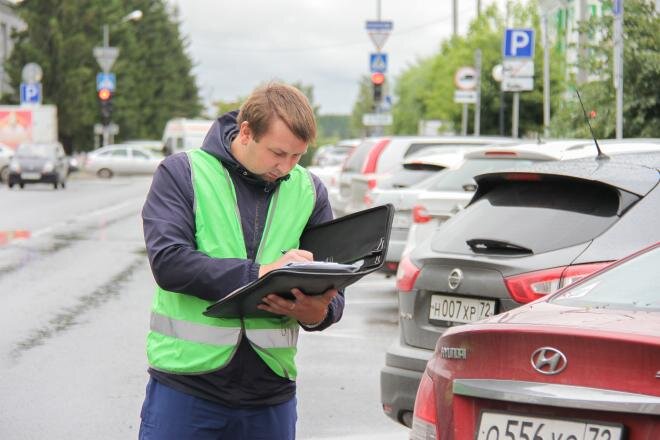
{"type": "Point", "coordinates": [168, 414]}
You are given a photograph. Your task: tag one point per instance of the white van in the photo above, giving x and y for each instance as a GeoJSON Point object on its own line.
{"type": "Point", "coordinates": [182, 134]}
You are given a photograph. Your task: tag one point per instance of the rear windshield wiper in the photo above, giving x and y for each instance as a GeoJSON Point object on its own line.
{"type": "Point", "coordinates": [488, 245]}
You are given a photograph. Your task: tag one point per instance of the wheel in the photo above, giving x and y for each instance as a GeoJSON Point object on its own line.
{"type": "Point", "coordinates": [11, 185]}
{"type": "Point", "coordinates": [4, 174]}
{"type": "Point", "coordinates": [104, 173]}
{"type": "Point", "coordinates": [21, 185]}
{"type": "Point", "coordinates": [55, 185]}
{"type": "Point", "coordinates": [63, 184]}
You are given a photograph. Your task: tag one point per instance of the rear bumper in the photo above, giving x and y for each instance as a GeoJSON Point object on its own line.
{"type": "Point", "coordinates": [399, 380]}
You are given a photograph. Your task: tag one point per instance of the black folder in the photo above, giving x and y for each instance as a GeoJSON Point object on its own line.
{"type": "Point", "coordinates": [345, 250]}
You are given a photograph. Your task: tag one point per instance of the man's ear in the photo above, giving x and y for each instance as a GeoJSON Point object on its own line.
{"type": "Point", "coordinates": [245, 133]}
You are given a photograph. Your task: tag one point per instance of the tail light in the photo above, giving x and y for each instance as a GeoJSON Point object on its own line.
{"type": "Point", "coordinates": [420, 214]}
{"type": "Point", "coordinates": [406, 275]}
{"type": "Point", "coordinates": [425, 415]}
{"type": "Point", "coordinates": [371, 183]}
{"type": "Point", "coordinates": [530, 286]}
{"type": "Point", "coordinates": [374, 154]}
{"type": "Point", "coordinates": [368, 201]}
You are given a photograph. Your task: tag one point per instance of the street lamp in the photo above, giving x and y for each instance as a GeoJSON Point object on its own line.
{"type": "Point", "coordinates": [131, 16]}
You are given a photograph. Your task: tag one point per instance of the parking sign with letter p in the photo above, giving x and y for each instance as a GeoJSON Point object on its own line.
{"type": "Point", "coordinates": [518, 43]}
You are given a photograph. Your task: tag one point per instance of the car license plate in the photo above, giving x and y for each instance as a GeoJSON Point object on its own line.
{"type": "Point", "coordinates": [402, 219]}
{"type": "Point", "coordinates": [30, 176]}
{"type": "Point", "coordinates": [502, 426]}
{"type": "Point", "coordinates": [458, 309]}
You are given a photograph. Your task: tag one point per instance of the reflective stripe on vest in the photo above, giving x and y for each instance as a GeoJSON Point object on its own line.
{"type": "Point", "coordinates": [182, 339]}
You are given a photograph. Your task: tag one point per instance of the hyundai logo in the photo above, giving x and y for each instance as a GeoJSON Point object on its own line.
{"type": "Point", "coordinates": [455, 278]}
{"type": "Point", "coordinates": [548, 360]}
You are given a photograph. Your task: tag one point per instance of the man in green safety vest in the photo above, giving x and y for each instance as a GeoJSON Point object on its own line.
{"type": "Point", "coordinates": [215, 219]}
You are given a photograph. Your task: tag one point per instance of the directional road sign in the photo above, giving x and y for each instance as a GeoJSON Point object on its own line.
{"type": "Point", "coordinates": [378, 62]}
{"type": "Point", "coordinates": [379, 31]}
{"type": "Point", "coordinates": [30, 93]}
{"type": "Point", "coordinates": [518, 43]}
{"type": "Point", "coordinates": [106, 81]}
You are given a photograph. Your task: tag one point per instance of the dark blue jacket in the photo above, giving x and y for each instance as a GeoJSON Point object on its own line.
{"type": "Point", "coordinates": [177, 265]}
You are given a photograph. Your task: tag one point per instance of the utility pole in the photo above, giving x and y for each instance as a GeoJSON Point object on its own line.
{"type": "Point", "coordinates": [618, 65]}
{"type": "Point", "coordinates": [477, 105]}
{"type": "Point", "coordinates": [582, 44]}
{"type": "Point", "coordinates": [478, 8]}
{"type": "Point", "coordinates": [455, 17]}
{"type": "Point", "coordinates": [546, 76]}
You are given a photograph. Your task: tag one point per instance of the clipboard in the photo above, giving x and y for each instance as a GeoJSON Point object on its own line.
{"type": "Point", "coordinates": [345, 249]}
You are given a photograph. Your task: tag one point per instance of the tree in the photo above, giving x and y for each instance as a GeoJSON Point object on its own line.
{"type": "Point", "coordinates": [154, 79]}
{"type": "Point", "coordinates": [641, 69]}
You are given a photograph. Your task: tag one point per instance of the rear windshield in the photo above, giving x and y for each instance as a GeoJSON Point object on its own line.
{"type": "Point", "coordinates": [456, 180]}
{"type": "Point", "coordinates": [356, 160]}
{"type": "Point", "coordinates": [408, 177]}
{"type": "Point", "coordinates": [416, 147]}
{"type": "Point", "coordinates": [541, 216]}
{"type": "Point", "coordinates": [638, 278]}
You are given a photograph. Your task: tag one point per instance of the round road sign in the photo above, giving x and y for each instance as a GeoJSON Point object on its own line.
{"type": "Point", "coordinates": [466, 78]}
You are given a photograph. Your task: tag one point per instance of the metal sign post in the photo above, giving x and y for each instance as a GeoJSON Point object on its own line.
{"type": "Point", "coordinates": [518, 68]}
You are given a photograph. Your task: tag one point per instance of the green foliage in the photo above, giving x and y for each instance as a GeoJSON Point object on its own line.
{"type": "Point", "coordinates": [154, 79]}
{"type": "Point", "coordinates": [641, 106]}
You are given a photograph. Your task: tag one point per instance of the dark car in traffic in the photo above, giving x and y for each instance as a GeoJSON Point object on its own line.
{"type": "Point", "coordinates": [39, 163]}
{"type": "Point", "coordinates": [525, 234]}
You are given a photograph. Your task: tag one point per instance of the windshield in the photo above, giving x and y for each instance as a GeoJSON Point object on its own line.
{"type": "Point", "coordinates": [455, 180]}
{"type": "Point", "coordinates": [634, 284]}
{"type": "Point", "coordinates": [35, 150]}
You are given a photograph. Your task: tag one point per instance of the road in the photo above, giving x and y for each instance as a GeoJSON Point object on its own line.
{"type": "Point", "coordinates": [75, 289]}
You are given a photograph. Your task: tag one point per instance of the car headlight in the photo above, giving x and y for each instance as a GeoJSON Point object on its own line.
{"type": "Point", "coordinates": [48, 167]}
{"type": "Point", "coordinates": [14, 166]}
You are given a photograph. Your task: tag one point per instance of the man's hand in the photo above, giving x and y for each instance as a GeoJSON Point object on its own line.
{"type": "Point", "coordinates": [292, 255]}
{"type": "Point", "coordinates": [306, 309]}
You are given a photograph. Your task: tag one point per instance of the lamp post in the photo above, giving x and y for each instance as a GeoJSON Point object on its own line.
{"type": "Point", "coordinates": [105, 81]}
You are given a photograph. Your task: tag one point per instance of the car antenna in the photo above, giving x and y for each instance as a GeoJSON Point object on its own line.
{"type": "Point", "coordinates": [601, 155]}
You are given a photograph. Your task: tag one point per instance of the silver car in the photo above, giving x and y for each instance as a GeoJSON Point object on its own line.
{"type": "Point", "coordinates": [121, 159]}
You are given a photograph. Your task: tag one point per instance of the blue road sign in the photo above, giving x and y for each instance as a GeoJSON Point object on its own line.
{"type": "Point", "coordinates": [378, 62]}
{"type": "Point", "coordinates": [379, 26]}
{"type": "Point", "coordinates": [106, 81]}
{"type": "Point", "coordinates": [518, 43]}
{"type": "Point", "coordinates": [30, 93]}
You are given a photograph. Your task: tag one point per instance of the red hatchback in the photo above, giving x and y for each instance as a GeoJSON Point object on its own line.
{"type": "Point", "coordinates": [582, 364]}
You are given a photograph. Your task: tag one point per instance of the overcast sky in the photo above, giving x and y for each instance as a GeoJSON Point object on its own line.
{"type": "Point", "coordinates": [237, 45]}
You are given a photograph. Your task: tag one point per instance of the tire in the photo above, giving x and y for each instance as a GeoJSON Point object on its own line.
{"type": "Point", "coordinates": [4, 174]}
{"type": "Point", "coordinates": [55, 185]}
{"type": "Point", "coordinates": [63, 185]}
{"type": "Point", "coordinates": [21, 185]}
{"type": "Point", "coordinates": [11, 185]}
{"type": "Point", "coordinates": [104, 173]}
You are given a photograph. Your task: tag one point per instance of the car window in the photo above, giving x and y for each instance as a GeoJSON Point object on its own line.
{"type": "Point", "coordinates": [356, 160]}
{"type": "Point", "coordinates": [35, 150]}
{"type": "Point", "coordinates": [538, 215]}
{"type": "Point", "coordinates": [119, 152]}
{"type": "Point", "coordinates": [419, 146]}
{"type": "Point", "coordinates": [634, 284]}
{"type": "Point", "coordinates": [140, 154]}
{"type": "Point", "coordinates": [455, 180]}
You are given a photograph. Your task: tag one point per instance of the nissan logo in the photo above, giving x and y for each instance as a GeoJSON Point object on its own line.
{"type": "Point", "coordinates": [455, 278]}
{"type": "Point", "coordinates": [548, 360]}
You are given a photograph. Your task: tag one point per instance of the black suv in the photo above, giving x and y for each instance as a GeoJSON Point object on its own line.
{"type": "Point", "coordinates": [525, 234]}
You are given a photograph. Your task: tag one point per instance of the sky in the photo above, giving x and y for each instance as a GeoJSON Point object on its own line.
{"type": "Point", "coordinates": [237, 45]}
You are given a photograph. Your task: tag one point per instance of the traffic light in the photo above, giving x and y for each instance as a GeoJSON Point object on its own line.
{"type": "Point", "coordinates": [105, 99]}
{"type": "Point", "coordinates": [377, 80]}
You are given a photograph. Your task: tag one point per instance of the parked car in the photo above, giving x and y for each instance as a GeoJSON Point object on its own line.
{"type": "Point", "coordinates": [121, 159]}
{"type": "Point", "coordinates": [334, 154]}
{"type": "Point", "coordinates": [525, 234]}
{"type": "Point", "coordinates": [377, 159]}
{"type": "Point", "coordinates": [39, 163]}
{"type": "Point", "coordinates": [581, 364]}
{"type": "Point", "coordinates": [6, 153]}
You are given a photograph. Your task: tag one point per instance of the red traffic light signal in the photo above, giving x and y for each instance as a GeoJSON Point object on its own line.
{"type": "Point", "coordinates": [377, 78]}
{"type": "Point", "coordinates": [105, 94]}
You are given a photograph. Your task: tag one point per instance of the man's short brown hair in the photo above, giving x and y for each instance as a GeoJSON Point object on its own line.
{"type": "Point", "coordinates": [278, 100]}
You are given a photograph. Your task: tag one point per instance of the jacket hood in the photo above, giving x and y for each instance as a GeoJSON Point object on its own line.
{"type": "Point", "coordinates": [218, 143]}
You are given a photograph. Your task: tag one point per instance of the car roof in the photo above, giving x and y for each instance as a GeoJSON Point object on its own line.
{"type": "Point", "coordinates": [634, 172]}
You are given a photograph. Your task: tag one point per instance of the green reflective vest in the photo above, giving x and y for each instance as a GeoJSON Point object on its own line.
{"type": "Point", "coordinates": [184, 341]}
